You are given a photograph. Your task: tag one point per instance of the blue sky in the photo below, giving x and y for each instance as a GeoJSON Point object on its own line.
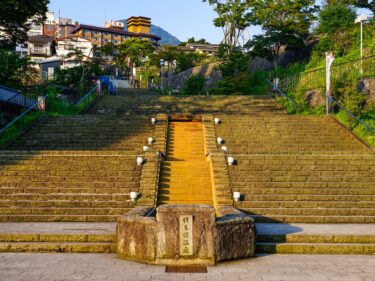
{"type": "Point", "coordinates": [182, 18]}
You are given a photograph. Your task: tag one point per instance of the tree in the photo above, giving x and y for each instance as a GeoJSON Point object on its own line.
{"type": "Point", "coordinates": [133, 52]}
{"type": "Point", "coordinates": [233, 17]}
{"type": "Point", "coordinates": [15, 71]}
{"type": "Point", "coordinates": [14, 16]}
{"type": "Point", "coordinates": [335, 17]}
{"type": "Point", "coordinates": [192, 40]}
{"type": "Point", "coordinates": [285, 23]}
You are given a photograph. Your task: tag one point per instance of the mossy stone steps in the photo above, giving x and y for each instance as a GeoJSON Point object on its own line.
{"type": "Point", "coordinates": [64, 237]}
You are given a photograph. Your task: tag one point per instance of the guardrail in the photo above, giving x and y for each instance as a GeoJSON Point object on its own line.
{"type": "Point", "coordinates": [19, 124]}
{"type": "Point", "coordinates": [283, 94]}
{"type": "Point", "coordinates": [87, 99]}
{"type": "Point", "coordinates": [332, 100]}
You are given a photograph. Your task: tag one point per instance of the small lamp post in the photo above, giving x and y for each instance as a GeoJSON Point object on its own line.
{"type": "Point", "coordinates": [161, 74]}
{"type": "Point", "coordinates": [360, 19]}
{"type": "Point", "coordinates": [237, 196]}
{"type": "Point", "coordinates": [140, 160]}
{"type": "Point", "coordinates": [133, 196]}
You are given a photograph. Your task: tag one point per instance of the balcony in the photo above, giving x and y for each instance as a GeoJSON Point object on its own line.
{"type": "Point", "coordinates": [39, 52]}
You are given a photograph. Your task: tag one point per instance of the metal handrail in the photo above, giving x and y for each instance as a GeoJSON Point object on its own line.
{"type": "Point", "coordinates": [86, 96]}
{"type": "Point", "coordinates": [8, 100]}
{"type": "Point", "coordinates": [22, 115]}
{"type": "Point", "coordinates": [282, 93]}
{"type": "Point", "coordinates": [331, 99]}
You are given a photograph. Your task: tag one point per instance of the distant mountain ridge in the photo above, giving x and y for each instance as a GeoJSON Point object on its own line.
{"type": "Point", "coordinates": [166, 37]}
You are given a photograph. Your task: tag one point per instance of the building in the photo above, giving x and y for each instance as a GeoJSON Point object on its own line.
{"type": "Point", "coordinates": [114, 32]}
{"type": "Point", "coordinates": [49, 26]}
{"type": "Point", "coordinates": [209, 49]}
{"type": "Point", "coordinates": [40, 47]}
{"type": "Point", "coordinates": [65, 47]}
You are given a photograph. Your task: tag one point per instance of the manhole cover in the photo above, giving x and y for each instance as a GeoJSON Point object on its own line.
{"type": "Point", "coordinates": [186, 269]}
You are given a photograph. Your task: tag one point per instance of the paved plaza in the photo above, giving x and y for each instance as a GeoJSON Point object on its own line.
{"type": "Point", "coordinates": [67, 267]}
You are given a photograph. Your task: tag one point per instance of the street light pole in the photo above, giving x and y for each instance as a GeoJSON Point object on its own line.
{"type": "Point", "coordinates": [360, 19]}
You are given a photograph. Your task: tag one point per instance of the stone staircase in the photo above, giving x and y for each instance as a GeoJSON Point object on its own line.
{"type": "Point", "coordinates": [299, 169]}
{"type": "Point", "coordinates": [316, 239]}
{"type": "Point", "coordinates": [75, 187]}
{"type": "Point", "coordinates": [304, 170]}
{"type": "Point", "coordinates": [93, 132]}
{"type": "Point", "coordinates": [153, 105]}
{"type": "Point", "coordinates": [185, 176]}
{"type": "Point", "coordinates": [290, 169]}
{"type": "Point", "coordinates": [57, 237]}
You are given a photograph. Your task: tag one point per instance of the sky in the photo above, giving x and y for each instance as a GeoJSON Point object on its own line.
{"type": "Point", "coordinates": [181, 18]}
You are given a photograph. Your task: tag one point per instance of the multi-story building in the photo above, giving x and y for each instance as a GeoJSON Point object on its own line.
{"type": "Point", "coordinates": [40, 47]}
{"type": "Point", "coordinates": [114, 32]}
{"type": "Point", "coordinates": [65, 49]}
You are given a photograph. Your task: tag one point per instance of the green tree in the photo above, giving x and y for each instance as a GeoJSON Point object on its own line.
{"type": "Point", "coordinates": [233, 17]}
{"type": "Point", "coordinates": [15, 71]}
{"type": "Point", "coordinates": [334, 18]}
{"type": "Point", "coordinates": [14, 16]}
{"type": "Point", "coordinates": [133, 52]}
{"type": "Point", "coordinates": [194, 85]}
{"type": "Point", "coordinates": [285, 23]}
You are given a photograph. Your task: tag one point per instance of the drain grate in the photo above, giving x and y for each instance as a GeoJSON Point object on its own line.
{"type": "Point", "coordinates": [186, 269]}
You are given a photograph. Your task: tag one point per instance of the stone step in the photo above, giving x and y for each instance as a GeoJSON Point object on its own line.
{"type": "Point", "coordinates": [58, 218]}
{"type": "Point", "coordinates": [60, 247]}
{"type": "Point", "coordinates": [316, 248]}
{"type": "Point", "coordinates": [312, 219]}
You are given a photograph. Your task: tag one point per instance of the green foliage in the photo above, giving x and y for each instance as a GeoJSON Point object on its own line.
{"type": "Point", "coordinates": [194, 85]}
{"type": "Point", "coordinates": [233, 17]}
{"type": "Point", "coordinates": [335, 18]}
{"type": "Point", "coordinates": [360, 130]}
{"type": "Point", "coordinates": [14, 15]}
{"type": "Point", "coordinates": [132, 52]}
{"type": "Point", "coordinates": [15, 71]}
{"type": "Point", "coordinates": [192, 40]}
{"type": "Point", "coordinates": [17, 128]}
{"type": "Point", "coordinates": [285, 23]}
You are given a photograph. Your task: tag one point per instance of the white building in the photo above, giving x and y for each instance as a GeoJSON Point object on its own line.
{"type": "Point", "coordinates": [66, 46]}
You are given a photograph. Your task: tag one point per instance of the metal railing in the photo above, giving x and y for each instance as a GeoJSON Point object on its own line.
{"type": "Point", "coordinates": [333, 101]}
{"type": "Point", "coordinates": [315, 79]}
{"type": "Point", "coordinates": [283, 94]}
{"type": "Point", "coordinates": [21, 122]}
{"type": "Point", "coordinates": [14, 105]}
{"type": "Point", "coordinates": [87, 100]}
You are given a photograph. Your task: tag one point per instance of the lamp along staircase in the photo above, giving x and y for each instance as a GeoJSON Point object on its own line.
{"type": "Point", "coordinates": [185, 176]}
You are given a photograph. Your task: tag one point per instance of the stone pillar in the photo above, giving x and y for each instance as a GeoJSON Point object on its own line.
{"type": "Point", "coordinates": [170, 248]}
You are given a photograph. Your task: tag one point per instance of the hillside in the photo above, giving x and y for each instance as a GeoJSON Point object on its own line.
{"type": "Point", "coordinates": [166, 37]}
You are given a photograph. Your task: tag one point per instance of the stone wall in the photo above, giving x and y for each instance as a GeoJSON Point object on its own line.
{"type": "Point", "coordinates": [209, 71]}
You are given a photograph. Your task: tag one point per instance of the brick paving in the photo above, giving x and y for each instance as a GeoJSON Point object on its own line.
{"type": "Point", "coordinates": [67, 267]}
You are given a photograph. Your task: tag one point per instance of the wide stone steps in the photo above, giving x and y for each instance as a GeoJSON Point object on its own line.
{"type": "Point", "coordinates": [62, 237]}
{"type": "Point", "coordinates": [316, 239]}
{"type": "Point", "coordinates": [298, 134]}
{"type": "Point", "coordinates": [336, 219]}
{"type": "Point", "coordinates": [99, 132]}
{"type": "Point", "coordinates": [63, 211]}
{"type": "Point", "coordinates": [58, 218]}
{"type": "Point", "coordinates": [152, 104]}
{"type": "Point", "coordinates": [67, 204]}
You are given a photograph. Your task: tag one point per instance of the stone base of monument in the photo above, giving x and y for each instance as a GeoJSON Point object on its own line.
{"type": "Point", "coordinates": [185, 235]}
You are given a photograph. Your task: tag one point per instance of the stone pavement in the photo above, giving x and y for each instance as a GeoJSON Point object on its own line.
{"type": "Point", "coordinates": [92, 267]}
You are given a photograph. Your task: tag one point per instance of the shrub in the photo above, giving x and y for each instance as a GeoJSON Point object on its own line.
{"type": "Point", "coordinates": [194, 85]}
